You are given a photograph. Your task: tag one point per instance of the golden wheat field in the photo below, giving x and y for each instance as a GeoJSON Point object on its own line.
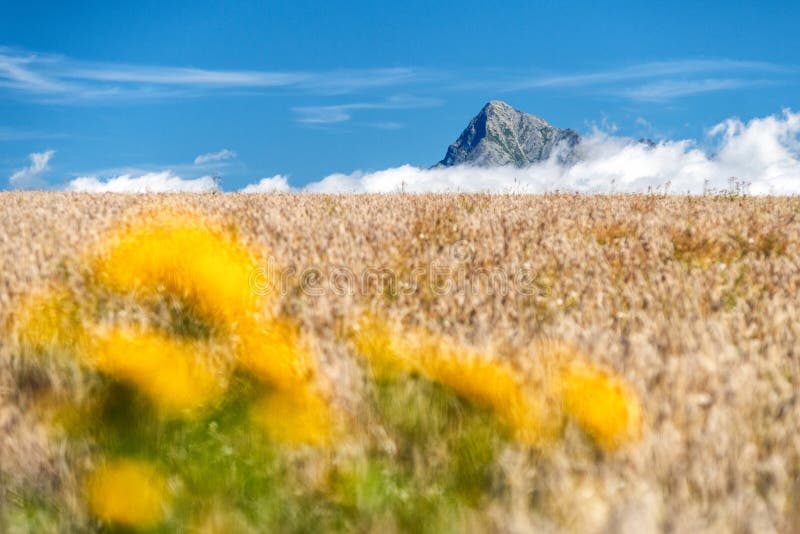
{"type": "Point", "coordinates": [399, 363]}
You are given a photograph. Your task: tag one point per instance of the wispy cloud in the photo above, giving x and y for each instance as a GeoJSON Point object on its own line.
{"type": "Point", "coordinates": [13, 134]}
{"type": "Point", "coordinates": [28, 176]}
{"type": "Point", "coordinates": [655, 69]}
{"type": "Point", "coordinates": [59, 78]}
{"type": "Point", "coordinates": [214, 156]}
{"type": "Point", "coordinates": [176, 75]}
{"type": "Point", "coordinates": [668, 89]}
{"type": "Point", "coordinates": [18, 72]}
{"type": "Point", "coordinates": [337, 113]}
{"type": "Point", "coordinates": [659, 80]}
{"type": "Point", "coordinates": [348, 81]}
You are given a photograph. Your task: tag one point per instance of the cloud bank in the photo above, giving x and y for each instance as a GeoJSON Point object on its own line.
{"type": "Point", "coordinates": [275, 184]}
{"type": "Point", "coordinates": [764, 153]}
{"type": "Point", "coordinates": [28, 177]}
{"type": "Point", "coordinates": [152, 182]}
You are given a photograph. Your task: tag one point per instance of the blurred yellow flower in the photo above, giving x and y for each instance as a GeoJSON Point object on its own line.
{"type": "Point", "coordinates": [273, 352]}
{"type": "Point", "coordinates": [467, 372]}
{"type": "Point", "coordinates": [127, 493]}
{"type": "Point", "coordinates": [186, 257]}
{"type": "Point", "coordinates": [295, 417]}
{"type": "Point", "coordinates": [561, 384]}
{"type": "Point", "coordinates": [175, 375]}
{"type": "Point", "coordinates": [207, 267]}
{"type": "Point", "coordinates": [601, 404]}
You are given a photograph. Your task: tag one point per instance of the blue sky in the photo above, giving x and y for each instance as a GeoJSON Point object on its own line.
{"type": "Point", "coordinates": [307, 89]}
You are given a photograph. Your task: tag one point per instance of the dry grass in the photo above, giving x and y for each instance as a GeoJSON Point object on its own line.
{"type": "Point", "coordinates": [693, 302]}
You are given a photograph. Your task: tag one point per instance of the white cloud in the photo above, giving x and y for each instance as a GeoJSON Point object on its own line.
{"type": "Point", "coordinates": [275, 184]}
{"type": "Point", "coordinates": [27, 177]}
{"type": "Point", "coordinates": [667, 89]}
{"type": "Point", "coordinates": [214, 156]}
{"type": "Point", "coordinates": [58, 78]}
{"type": "Point", "coordinates": [328, 114]}
{"type": "Point", "coordinates": [151, 182]}
{"type": "Point", "coordinates": [17, 72]}
{"type": "Point", "coordinates": [649, 81]}
{"type": "Point", "coordinates": [654, 69]}
{"type": "Point", "coordinates": [51, 77]}
{"type": "Point", "coordinates": [764, 152]}
{"type": "Point", "coordinates": [181, 76]}
{"type": "Point", "coordinates": [343, 112]}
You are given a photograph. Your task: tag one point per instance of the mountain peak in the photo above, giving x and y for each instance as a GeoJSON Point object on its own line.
{"type": "Point", "coordinates": [501, 135]}
{"type": "Point", "coordinates": [497, 104]}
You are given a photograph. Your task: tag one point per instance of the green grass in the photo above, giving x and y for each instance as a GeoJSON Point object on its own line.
{"type": "Point", "coordinates": [438, 469]}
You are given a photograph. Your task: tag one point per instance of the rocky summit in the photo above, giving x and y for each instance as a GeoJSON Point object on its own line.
{"type": "Point", "coordinates": [501, 135]}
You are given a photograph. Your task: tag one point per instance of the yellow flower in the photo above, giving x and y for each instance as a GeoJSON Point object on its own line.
{"type": "Point", "coordinates": [184, 257]}
{"type": "Point", "coordinates": [128, 493]}
{"type": "Point", "coordinates": [527, 411]}
{"type": "Point", "coordinates": [605, 408]}
{"type": "Point", "coordinates": [561, 384]}
{"type": "Point", "coordinates": [295, 417]}
{"type": "Point", "coordinates": [206, 267]}
{"type": "Point", "coordinates": [211, 271]}
{"type": "Point", "coordinates": [601, 404]}
{"type": "Point", "coordinates": [294, 412]}
{"type": "Point", "coordinates": [175, 375]}
{"type": "Point", "coordinates": [467, 372]}
{"type": "Point", "coordinates": [273, 351]}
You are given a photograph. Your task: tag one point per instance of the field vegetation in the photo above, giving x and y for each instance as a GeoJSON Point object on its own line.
{"type": "Point", "coordinates": [425, 363]}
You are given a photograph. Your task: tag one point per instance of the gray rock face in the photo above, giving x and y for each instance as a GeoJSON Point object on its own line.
{"type": "Point", "coordinates": [502, 135]}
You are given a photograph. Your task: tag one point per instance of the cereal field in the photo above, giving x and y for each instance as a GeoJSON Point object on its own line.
{"type": "Point", "coordinates": [305, 363]}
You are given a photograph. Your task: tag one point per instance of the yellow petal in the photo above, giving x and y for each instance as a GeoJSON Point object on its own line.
{"type": "Point", "coordinates": [128, 493]}
{"type": "Point", "coordinates": [295, 417]}
{"type": "Point", "coordinates": [175, 375]}
{"type": "Point", "coordinates": [604, 407]}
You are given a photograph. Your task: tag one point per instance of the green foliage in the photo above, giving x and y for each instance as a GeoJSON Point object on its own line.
{"type": "Point", "coordinates": [441, 466]}
{"type": "Point", "coordinates": [438, 468]}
